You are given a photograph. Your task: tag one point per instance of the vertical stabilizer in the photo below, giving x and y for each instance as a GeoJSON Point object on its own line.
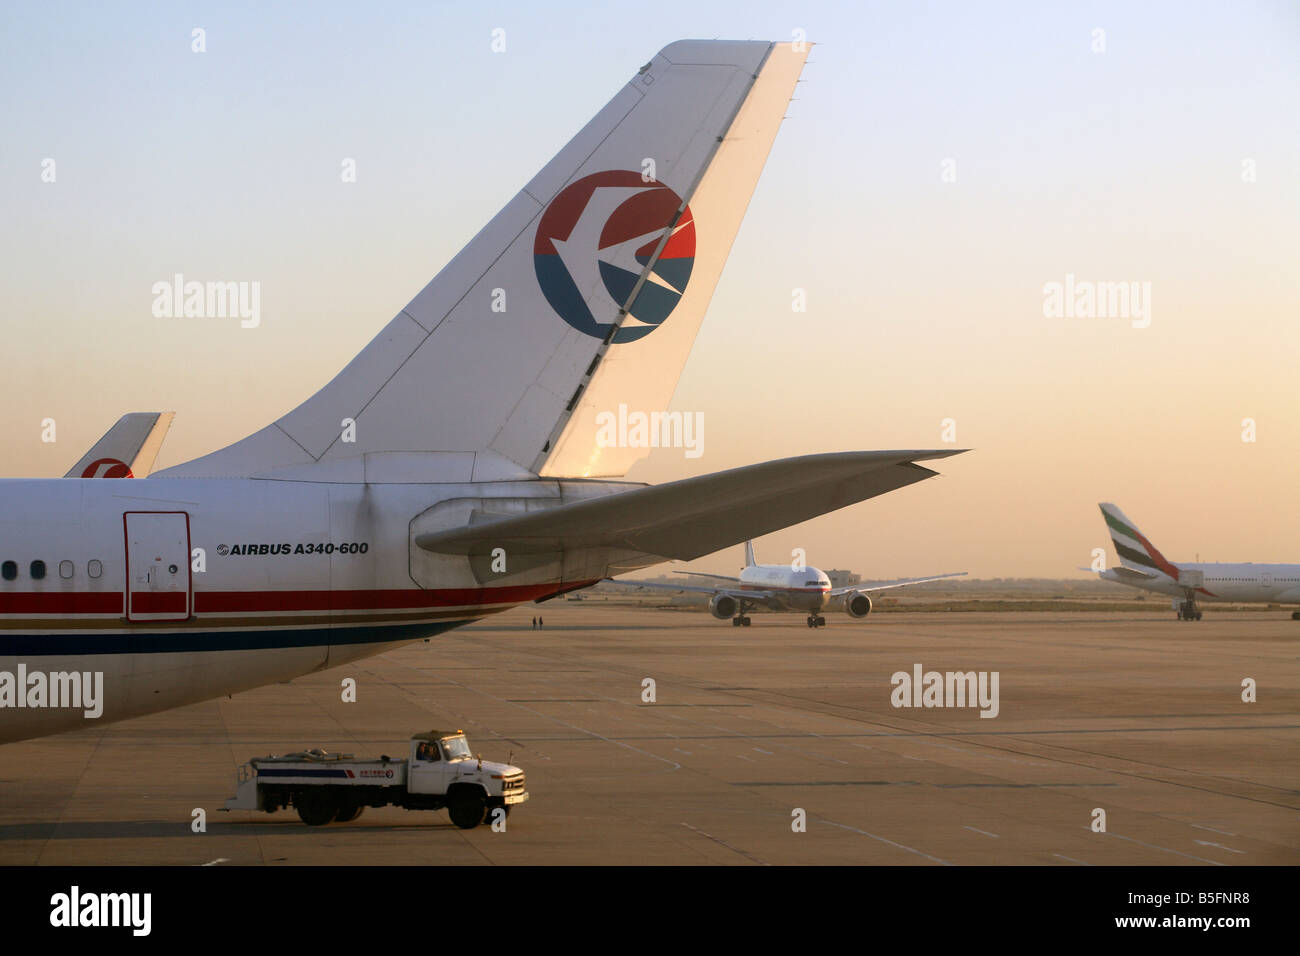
{"type": "Point", "coordinates": [582, 295]}
{"type": "Point", "coordinates": [1133, 548]}
{"type": "Point", "coordinates": [128, 449]}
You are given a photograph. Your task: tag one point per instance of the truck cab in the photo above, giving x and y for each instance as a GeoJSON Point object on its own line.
{"type": "Point", "coordinates": [440, 759]}
{"type": "Point", "coordinates": [442, 765]}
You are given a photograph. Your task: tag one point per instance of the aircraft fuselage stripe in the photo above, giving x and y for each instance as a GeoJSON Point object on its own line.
{"type": "Point", "coordinates": [227, 602]}
{"type": "Point", "coordinates": [179, 642]}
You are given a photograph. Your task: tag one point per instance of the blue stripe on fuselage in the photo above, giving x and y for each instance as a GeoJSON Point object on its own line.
{"type": "Point", "coordinates": [154, 642]}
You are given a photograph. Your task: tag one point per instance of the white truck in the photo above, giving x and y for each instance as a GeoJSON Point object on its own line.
{"type": "Point", "coordinates": [440, 771]}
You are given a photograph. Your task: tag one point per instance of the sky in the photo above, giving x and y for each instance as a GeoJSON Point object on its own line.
{"type": "Point", "coordinates": [941, 164]}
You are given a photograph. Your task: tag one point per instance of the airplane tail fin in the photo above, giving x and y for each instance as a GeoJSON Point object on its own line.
{"type": "Point", "coordinates": [750, 560]}
{"type": "Point", "coordinates": [128, 449]}
{"type": "Point", "coordinates": [1133, 548]}
{"type": "Point", "coordinates": [582, 296]}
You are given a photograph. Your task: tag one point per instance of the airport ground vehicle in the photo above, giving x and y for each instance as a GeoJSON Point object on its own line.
{"type": "Point", "coordinates": [440, 771]}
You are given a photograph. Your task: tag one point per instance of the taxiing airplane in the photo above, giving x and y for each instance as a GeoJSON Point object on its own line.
{"type": "Point", "coordinates": [782, 587]}
{"type": "Point", "coordinates": [452, 469]}
{"type": "Point", "coordinates": [128, 449]}
{"type": "Point", "coordinates": [1142, 566]}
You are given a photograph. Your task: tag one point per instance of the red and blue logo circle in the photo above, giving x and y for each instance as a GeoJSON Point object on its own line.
{"type": "Point", "coordinates": [595, 240]}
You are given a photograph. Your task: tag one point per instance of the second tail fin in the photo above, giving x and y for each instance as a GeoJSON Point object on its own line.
{"type": "Point", "coordinates": [1133, 548]}
{"type": "Point", "coordinates": [128, 449]}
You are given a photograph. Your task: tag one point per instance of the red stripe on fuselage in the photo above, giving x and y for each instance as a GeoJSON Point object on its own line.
{"type": "Point", "coordinates": [60, 602]}
{"type": "Point", "coordinates": [158, 602]}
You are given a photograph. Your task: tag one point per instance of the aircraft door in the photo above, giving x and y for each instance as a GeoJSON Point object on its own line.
{"type": "Point", "coordinates": [157, 565]}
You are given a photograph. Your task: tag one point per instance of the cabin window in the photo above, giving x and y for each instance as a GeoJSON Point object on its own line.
{"type": "Point", "coordinates": [9, 570]}
{"type": "Point", "coordinates": [94, 568]}
{"type": "Point", "coordinates": [38, 570]}
{"type": "Point", "coordinates": [65, 569]}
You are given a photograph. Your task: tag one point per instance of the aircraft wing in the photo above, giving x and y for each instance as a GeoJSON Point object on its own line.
{"type": "Point", "coordinates": [885, 586]}
{"type": "Point", "coordinates": [128, 449]}
{"type": "Point", "coordinates": [764, 598]}
{"type": "Point", "coordinates": [692, 517]}
{"type": "Point", "coordinates": [715, 577]}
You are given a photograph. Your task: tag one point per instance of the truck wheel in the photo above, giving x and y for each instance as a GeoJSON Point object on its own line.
{"type": "Point", "coordinates": [467, 810]}
{"type": "Point", "coordinates": [315, 809]}
{"type": "Point", "coordinates": [348, 814]}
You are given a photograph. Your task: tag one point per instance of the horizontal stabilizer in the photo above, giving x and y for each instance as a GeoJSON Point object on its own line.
{"type": "Point", "coordinates": [1121, 573]}
{"type": "Point", "coordinates": [686, 519]}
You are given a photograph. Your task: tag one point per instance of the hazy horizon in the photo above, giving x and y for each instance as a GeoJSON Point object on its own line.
{"type": "Point", "coordinates": [941, 165]}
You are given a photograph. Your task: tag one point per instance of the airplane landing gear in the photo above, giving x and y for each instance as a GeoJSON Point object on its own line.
{"type": "Point", "coordinates": [1295, 615]}
{"type": "Point", "coordinates": [1187, 611]}
{"type": "Point", "coordinates": [816, 621]}
{"type": "Point", "coordinates": [741, 620]}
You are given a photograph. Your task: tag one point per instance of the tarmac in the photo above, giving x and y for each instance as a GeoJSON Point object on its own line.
{"type": "Point", "coordinates": [751, 732]}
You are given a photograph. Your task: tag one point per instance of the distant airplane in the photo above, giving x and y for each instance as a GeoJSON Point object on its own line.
{"type": "Point", "coordinates": [128, 449]}
{"type": "Point", "coordinates": [782, 587]}
{"type": "Point", "coordinates": [1142, 566]}
{"type": "Point", "coordinates": [454, 468]}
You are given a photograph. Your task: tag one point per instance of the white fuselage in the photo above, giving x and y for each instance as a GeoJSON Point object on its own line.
{"type": "Point", "coordinates": [806, 589]}
{"type": "Point", "coordinates": [179, 590]}
{"type": "Point", "coordinates": [1244, 582]}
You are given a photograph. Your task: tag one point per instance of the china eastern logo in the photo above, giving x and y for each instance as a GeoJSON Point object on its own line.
{"type": "Point", "coordinates": [594, 241]}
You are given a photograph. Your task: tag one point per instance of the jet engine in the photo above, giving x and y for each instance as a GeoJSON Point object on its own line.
{"type": "Point", "coordinates": [857, 604]}
{"type": "Point", "coordinates": [722, 606]}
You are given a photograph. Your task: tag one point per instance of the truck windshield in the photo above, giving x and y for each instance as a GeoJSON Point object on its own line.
{"type": "Point", "coordinates": [455, 748]}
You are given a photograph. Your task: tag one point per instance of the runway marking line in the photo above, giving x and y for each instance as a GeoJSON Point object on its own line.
{"type": "Point", "coordinates": [901, 846]}
{"type": "Point", "coordinates": [1212, 830]}
{"type": "Point", "coordinates": [733, 849]}
{"type": "Point", "coordinates": [1164, 849]}
{"type": "Point", "coordinates": [1219, 845]}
